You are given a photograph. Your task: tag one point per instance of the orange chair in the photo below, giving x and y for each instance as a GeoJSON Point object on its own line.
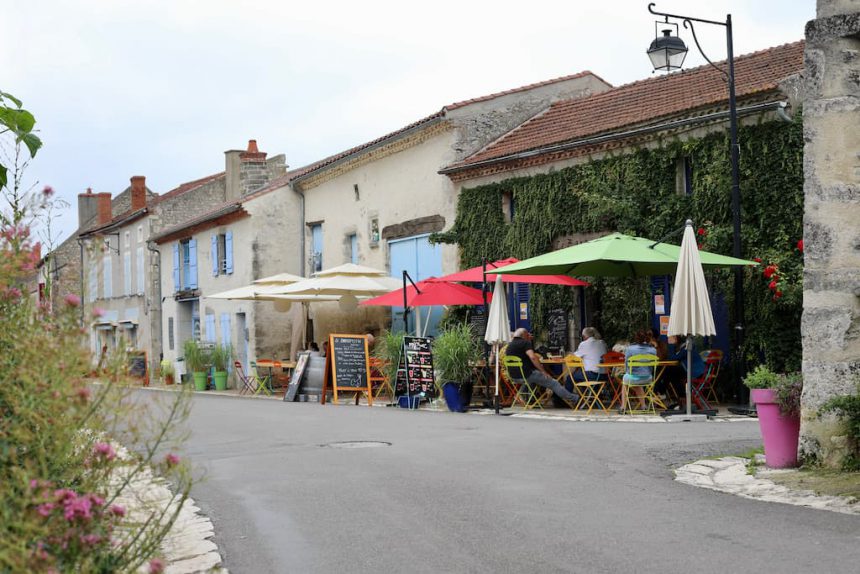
{"type": "Point", "coordinates": [613, 376]}
{"type": "Point", "coordinates": [379, 382]}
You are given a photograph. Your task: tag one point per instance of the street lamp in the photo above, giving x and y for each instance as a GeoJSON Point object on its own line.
{"type": "Point", "coordinates": [667, 53]}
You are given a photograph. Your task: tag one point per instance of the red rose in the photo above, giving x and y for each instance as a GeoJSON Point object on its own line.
{"type": "Point", "coordinates": [775, 278]}
{"type": "Point", "coordinates": [800, 245]}
{"type": "Point", "coordinates": [772, 285]}
{"type": "Point", "coordinates": [757, 259]}
{"type": "Point", "coordinates": [702, 231]}
{"type": "Point", "coordinates": [699, 245]}
{"type": "Point", "coordinates": [777, 295]}
{"type": "Point", "coordinates": [769, 270]}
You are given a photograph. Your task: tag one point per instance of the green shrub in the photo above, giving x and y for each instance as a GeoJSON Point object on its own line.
{"type": "Point", "coordinates": [195, 356]}
{"type": "Point", "coordinates": [388, 348]}
{"type": "Point", "coordinates": [221, 356]}
{"type": "Point", "coordinates": [761, 378]}
{"type": "Point", "coordinates": [847, 408]}
{"type": "Point", "coordinates": [454, 351]}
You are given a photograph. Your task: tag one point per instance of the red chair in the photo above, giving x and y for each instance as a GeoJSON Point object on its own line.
{"type": "Point", "coordinates": [613, 375]}
{"type": "Point", "coordinates": [703, 387]}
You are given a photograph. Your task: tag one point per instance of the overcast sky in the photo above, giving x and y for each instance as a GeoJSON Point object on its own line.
{"type": "Point", "coordinates": [163, 88]}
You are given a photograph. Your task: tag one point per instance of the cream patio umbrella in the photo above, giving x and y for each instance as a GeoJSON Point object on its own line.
{"type": "Point", "coordinates": [691, 307]}
{"type": "Point", "coordinates": [498, 327]}
{"type": "Point", "coordinates": [346, 282]}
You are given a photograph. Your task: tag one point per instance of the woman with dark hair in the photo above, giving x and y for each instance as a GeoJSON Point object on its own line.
{"type": "Point", "coordinates": [676, 376]}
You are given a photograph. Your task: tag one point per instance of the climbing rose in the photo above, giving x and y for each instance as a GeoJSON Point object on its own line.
{"type": "Point", "coordinates": [757, 259]}
{"type": "Point", "coordinates": [72, 300]}
{"type": "Point", "coordinates": [772, 285]}
{"type": "Point", "coordinates": [702, 231]}
{"type": "Point", "coordinates": [769, 270]}
{"type": "Point", "coordinates": [800, 245]}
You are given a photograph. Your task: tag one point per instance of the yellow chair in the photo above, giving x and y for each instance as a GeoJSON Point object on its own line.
{"type": "Point", "coordinates": [264, 384]}
{"type": "Point", "coordinates": [642, 381]}
{"type": "Point", "coordinates": [589, 391]}
{"type": "Point", "coordinates": [517, 379]}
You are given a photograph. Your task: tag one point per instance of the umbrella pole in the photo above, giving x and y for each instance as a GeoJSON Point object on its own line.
{"type": "Point", "coordinates": [496, 354]}
{"type": "Point", "coordinates": [689, 375]}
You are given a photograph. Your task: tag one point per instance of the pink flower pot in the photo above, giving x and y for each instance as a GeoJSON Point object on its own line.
{"type": "Point", "coordinates": [779, 433]}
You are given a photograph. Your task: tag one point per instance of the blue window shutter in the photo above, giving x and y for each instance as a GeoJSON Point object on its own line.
{"type": "Point", "coordinates": [210, 329]}
{"type": "Point", "coordinates": [228, 251]}
{"type": "Point", "coordinates": [177, 286]}
{"type": "Point", "coordinates": [226, 335]}
{"type": "Point", "coordinates": [213, 255]}
{"type": "Point", "coordinates": [192, 265]}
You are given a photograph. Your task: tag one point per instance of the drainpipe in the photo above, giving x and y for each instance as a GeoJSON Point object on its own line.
{"type": "Point", "coordinates": [81, 273]}
{"type": "Point", "coordinates": [301, 229]}
{"type": "Point", "coordinates": [155, 319]}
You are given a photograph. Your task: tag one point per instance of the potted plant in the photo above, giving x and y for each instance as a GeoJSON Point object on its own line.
{"type": "Point", "coordinates": [195, 361]}
{"type": "Point", "coordinates": [454, 352]}
{"type": "Point", "coordinates": [777, 400]}
{"type": "Point", "coordinates": [387, 349]}
{"type": "Point", "coordinates": [168, 373]}
{"type": "Point", "coordinates": [221, 356]}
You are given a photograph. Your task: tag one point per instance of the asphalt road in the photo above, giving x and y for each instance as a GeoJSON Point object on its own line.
{"type": "Point", "coordinates": [473, 493]}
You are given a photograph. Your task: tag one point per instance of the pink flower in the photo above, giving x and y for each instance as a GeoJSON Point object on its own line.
{"type": "Point", "coordinates": [77, 508]}
{"type": "Point", "coordinates": [156, 566]}
{"type": "Point", "coordinates": [117, 510]}
{"type": "Point", "coordinates": [47, 191]}
{"type": "Point", "coordinates": [64, 494]}
{"type": "Point", "coordinates": [98, 312]}
{"type": "Point", "coordinates": [91, 539]}
{"type": "Point", "coordinates": [95, 499]}
{"type": "Point", "coordinates": [84, 394]}
{"type": "Point", "coordinates": [171, 459]}
{"type": "Point", "coordinates": [45, 509]}
{"type": "Point", "coordinates": [104, 450]}
{"type": "Point", "coordinates": [72, 300]}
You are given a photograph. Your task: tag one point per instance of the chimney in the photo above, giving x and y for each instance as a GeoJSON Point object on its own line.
{"type": "Point", "coordinates": [87, 208]}
{"type": "Point", "coordinates": [138, 192]}
{"type": "Point", "coordinates": [104, 208]}
{"type": "Point", "coordinates": [231, 169]}
{"type": "Point", "coordinates": [253, 170]}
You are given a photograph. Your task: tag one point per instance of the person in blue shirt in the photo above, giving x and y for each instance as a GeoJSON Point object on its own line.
{"type": "Point", "coordinates": [677, 376]}
{"type": "Point", "coordinates": [639, 345]}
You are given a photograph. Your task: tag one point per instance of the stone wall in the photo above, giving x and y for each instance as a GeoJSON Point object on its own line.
{"type": "Point", "coordinates": [831, 310]}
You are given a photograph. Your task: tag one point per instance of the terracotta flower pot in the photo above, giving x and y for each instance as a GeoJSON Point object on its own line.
{"type": "Point", "coordinates": [779, 433]}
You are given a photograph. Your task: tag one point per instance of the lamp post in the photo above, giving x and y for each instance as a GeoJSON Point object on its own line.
{"type": "Point", "coordinates": [667, 53]}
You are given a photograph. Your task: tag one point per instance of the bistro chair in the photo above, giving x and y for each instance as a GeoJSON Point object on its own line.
{"type": "Point", "coordinates": [643, 381]}
{"type": "Point", "coordinates": [713, 361]}
{"type": "Point", "coordinates": [264, 384]}
{"type": "Point", "coordinates": [613, 376]}
{"type": "Point", "coordinates": [379, 382]}
{"type": "Point", "coordinates": [589, 390]}
{"type": "Point", "coordinates": [516, 377]}
{"type": "Point", "coordinates": [248, 383]}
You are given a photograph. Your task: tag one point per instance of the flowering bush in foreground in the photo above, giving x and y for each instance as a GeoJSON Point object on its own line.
{"type": "Point", "coordinates": [70, 446]}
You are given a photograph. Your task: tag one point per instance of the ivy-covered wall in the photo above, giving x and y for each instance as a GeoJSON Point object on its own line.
{"type": "Point", "coordinates": [635, 194]}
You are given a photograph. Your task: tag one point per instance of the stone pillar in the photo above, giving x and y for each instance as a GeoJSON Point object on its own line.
{"type": "Point", "coordinates": [831, 229]}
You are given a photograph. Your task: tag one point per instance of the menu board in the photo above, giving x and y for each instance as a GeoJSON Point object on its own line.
{"type": "Point", "coordinates": [296, 379]}
{"type": "Point", "coordinates": [415, 375]}
{"type": "Point", "coordinates": [556, 327]}
{"type": "Point", "coordinates": [348, 369]}
{"type": "Point", "coordinates": [137, 366]}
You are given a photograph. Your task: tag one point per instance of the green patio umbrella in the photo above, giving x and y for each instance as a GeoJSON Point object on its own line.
{"type": "Point", "coordinates": [614, 255]}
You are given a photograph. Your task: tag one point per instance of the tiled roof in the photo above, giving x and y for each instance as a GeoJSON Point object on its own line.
{"type": "Point", "coordinates": [188, 186]}
{"type": "Point", "coordinates": [307, 170]}
{"type": "Point", "coordinates": [221, 210]}
{"type": "Point", "coordinates": [644, 102]}
{"type": "Point", "coordinates": [582, 74]}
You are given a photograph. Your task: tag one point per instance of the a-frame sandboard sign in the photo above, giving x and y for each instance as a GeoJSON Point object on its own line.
{"type": "Point", "coordinates": [347, 367]}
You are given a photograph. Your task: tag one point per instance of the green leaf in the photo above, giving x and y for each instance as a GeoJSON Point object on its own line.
{"type": "Point", "coordinates": [32, 142]}
{"type": "Point", "coordinates": [2, 176]}
{"type": "Point", "coordinates": [24, 120]}
{"type": "Point", "coordinates": [4, 95]}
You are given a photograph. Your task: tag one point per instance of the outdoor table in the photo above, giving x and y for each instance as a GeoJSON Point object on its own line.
{"type": "Point", "coordinates": [615, 381]}
{"type": "Point", "coordinates": [484, 378]}
{"type": "Point", "coordinates": [271, 365]}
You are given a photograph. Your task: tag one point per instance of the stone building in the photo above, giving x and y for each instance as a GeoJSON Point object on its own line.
{"type": "Point", "coordinates": [376, 204]}
{"type": "Point", "coordinates": [251, 234]}
{"type": "Point", "coordinates": [659, 113]}
{"type": "Point", "coordinates": [831, 303]}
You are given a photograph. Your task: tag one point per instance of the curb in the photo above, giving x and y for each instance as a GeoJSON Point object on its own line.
{"type": "Point", "coordinates": [729, 475]}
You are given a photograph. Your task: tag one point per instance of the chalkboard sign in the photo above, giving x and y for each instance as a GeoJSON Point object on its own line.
{"type": "Point", "coordinates": [348, 369]}
{"type": "Point", "coordinates": [478, 323]}
{"type": "Point", "coordinates": [556, 327]}
{"type": "Point", "coordinates": [296, 379]}
{"type": "Point", "coordinates": [416, 373]}
{"type": "Point", "coordinates": [137, 366]}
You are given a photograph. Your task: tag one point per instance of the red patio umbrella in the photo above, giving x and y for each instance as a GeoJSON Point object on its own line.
{"type": "Point", "coordinates": [431, 291]}
{"type": "Point", "coordinates": [476, 275]}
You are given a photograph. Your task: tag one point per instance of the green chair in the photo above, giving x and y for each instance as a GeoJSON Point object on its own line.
{"type": "Point", "coordinates": [264, 383]}
{"type": "Point", "coordinates": [516, 376]}
{"type": "Point", "coordinates": [641, 380]}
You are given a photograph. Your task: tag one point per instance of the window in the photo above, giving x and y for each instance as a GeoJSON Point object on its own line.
{"type": "Point", "coordinates": [353, 248]}
{"type": "Point", "coordinates": [316, 247]}
{"type": "Point", "coordinates": [185, 265]}
{"type": "Point", "coordinates": [683, 176]}
{"type": "Point", "coordinates": [221, 254]}
{"type": "Point", "coordinates": [170, 343]}
{"type": "Point", "coordinates": [141, 270]}
{"type": "Point", "coordinates": [107, 277]}
{"type": "Point", "coordinates": [508, 205]}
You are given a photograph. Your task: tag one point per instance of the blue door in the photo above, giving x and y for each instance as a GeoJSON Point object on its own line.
{"type": "Point", "coordinates": [421, 260]}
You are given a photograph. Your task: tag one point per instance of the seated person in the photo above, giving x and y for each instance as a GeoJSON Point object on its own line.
{"type": "Point", "coordinates": [533, 370]}
{"type": "Point", "coordinates": [591, 351]}
{"type": "Point", "coordinates": [658, 343]}
{"type": "Point", "coordinates": [640, 345]}
{"type": "Point", "coordinates": [676, 376]}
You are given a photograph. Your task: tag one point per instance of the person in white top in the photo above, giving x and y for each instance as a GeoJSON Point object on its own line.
{"type": "Point", "coordinates": [591, 349]}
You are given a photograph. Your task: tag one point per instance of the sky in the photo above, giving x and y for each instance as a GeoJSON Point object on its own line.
{"type": "Point", "coordinates": [163, 88]}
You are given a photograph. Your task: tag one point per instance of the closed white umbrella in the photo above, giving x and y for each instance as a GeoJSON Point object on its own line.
{"type": "Point", "coordinates": [498, 327]}
{"type": "Point", "coordinates": [691, 306]}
